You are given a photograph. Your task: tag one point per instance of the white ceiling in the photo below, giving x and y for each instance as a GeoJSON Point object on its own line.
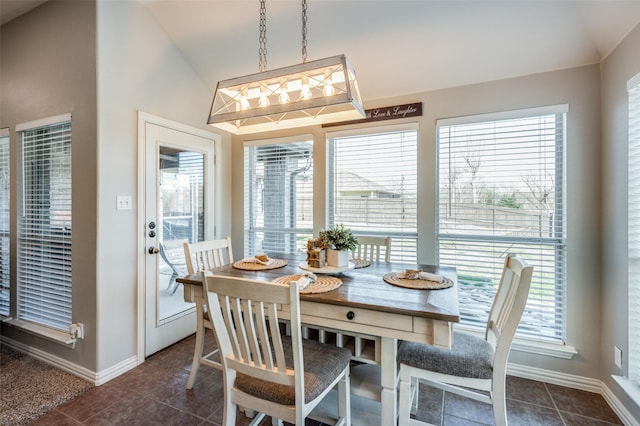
{"type": "Point", "coordinates": [397, 47]}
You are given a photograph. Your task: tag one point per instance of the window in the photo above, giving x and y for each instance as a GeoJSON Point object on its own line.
{"type": "Point", "coordinates": [4, 222]}
{"type": "Point", "coordinates": [372, 186]}
{"type": "Point", "coordinates": [634, 230]}
{"type": "Point", "coordinates": [501, 190]}
{"type": "Point", "coordinates": [278, 199]}
{"type": "Point", "coordinates": [44, 222]}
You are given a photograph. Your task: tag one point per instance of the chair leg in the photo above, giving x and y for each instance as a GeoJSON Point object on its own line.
{"type": "Point", "coordinates": [415, 389]}
{"type": "Point", "coordinates": [405, 398]}
{"type": "Point", "coordinates": [199, 347]}
{"type": "Point", "coordinates": [499, 401]}
{"type": "Point", "coordinates": [276, 422]}
{"type": "Point", "coordinates": [344, 398]}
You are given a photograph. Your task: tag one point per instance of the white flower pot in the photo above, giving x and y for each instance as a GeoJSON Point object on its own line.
{"type": "Point", "coordinates": [338, 259]}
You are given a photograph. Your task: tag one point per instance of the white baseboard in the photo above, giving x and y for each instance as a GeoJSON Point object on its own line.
{"type": "Point", "coordinates": [90, 376]}
{"type": "Point", "coordinates": [625, 416]}
{"type": "Point", "coordinates": [555, 377]}
{"type": "Point", "coordinates": [112, 372]}
{"type": "Point", "coordinates": [575, 382]}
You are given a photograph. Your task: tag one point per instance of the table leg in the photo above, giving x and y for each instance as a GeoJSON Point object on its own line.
{"type": "Point", "coordinates": [389, 380]}
{"type": "Point", "coordinates": [197, 352]}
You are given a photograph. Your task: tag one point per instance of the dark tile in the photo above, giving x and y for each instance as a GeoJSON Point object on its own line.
{"type": "Point", "coordinates": [581, 402]}
{"type": "Point", "coordinates": [523, 414]}
{"type": "Point", "coordinates": [141, 410]}
{"type": "Point", "coordinates": [459, 410]}
{"type": "Point", "coordinates": [55, 418]}
{"type": "Point", "coordinates": [430, 404]}
{"type": "Point", "coordinates": [451, 420]}
{"type": "Point", "coordinates": [468, 409]}
{"type": "Point", "coordinates": [530, 391]}
{"type": "Point", "coordinates": [571, 419]}
{"type": "Point", "coordinates": [92, 402]}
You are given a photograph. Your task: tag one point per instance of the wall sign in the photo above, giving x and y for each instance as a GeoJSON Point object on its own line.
{"type": "Point", "coordinates": [385, 113]}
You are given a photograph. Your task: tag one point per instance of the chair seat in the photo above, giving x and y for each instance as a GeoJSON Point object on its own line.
{"type": "Point", "coordinates": [318, 373]}
{"type": "Point", "coordinates": [470, 356]}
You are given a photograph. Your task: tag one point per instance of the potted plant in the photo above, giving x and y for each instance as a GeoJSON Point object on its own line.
{"type": "Point", "coordinates": [338, 241]}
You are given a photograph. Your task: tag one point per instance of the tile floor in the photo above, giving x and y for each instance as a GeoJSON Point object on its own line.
{"type": "Point", "coordinates": [154, 394]}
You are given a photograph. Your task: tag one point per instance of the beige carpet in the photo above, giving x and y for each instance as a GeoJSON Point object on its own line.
{"type": "Point", "coordinates": [31, 388]}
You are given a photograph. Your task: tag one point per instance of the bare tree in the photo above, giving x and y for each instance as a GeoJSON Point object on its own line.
{"type": "Point", "coordinates": [540, 190]}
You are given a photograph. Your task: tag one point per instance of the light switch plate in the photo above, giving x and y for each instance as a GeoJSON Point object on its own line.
{"type": "Point", "coordinates": [617, 356]}
{"type": "Point", "coordinates": [123, 202]}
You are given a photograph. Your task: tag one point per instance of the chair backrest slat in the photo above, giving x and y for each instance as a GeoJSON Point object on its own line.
{"type": "Point", "coordinates": [370, 248]}
{"type": "Point", "coordinates": [208, 254]}
{"type": "Point", "coordinates": [508, 306]}
{"type": "Point", "coordinates": [249, 324]}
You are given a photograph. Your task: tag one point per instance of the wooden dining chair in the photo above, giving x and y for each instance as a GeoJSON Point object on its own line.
{"type": "Point", "coordinates": [265, 370]}
{"type": "Point", "coordinates": [371, 248]}
{"type": "Point", "coordinates": [207, 254]}
{"type": "Point", "coordinates": [473, 363]}
{"type": "Point", "coordinates": [199, 257]}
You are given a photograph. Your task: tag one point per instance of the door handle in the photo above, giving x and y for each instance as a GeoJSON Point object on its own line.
{"type": "Point", "coordinates": [153, 250]}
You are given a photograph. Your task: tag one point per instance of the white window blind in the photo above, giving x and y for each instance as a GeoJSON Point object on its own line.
{"type": "Point", "coordinates": [372, 186]}
{"type": "Point", "coordinates": [44, 223]}
{"type": "Point", "coordinates": [634, 230]}
{"type": "Point", "coordinates": [4, 222]}
{"type": "Point", "coordinates": [278, 198]}
{"type": "Point", "coordinates": [500, 191]}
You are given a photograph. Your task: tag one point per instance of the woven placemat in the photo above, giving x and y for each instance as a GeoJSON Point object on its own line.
{"type": "Point", "coordinates": [323, 284]}
{"type": "Point", "coordinates": [255, 266]}
{"type": "Point", "coordinates": [397, 278]}
{"type": "Point", "coordinates": [360, 263]}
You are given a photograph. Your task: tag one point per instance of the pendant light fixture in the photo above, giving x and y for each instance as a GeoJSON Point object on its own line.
{"type": "Point", "coordinates": [314, 92]}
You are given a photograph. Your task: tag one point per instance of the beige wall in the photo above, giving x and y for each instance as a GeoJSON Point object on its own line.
{"type": "Point", "coordinates": [48, 68]}
{"type": "Point", "coordinates": [138, 69]}
{"type": "Point", "coordinates": [617, 69]}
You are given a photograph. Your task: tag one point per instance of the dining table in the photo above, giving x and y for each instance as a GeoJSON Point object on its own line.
{"type": "Point", "coordinates": [365, 306]}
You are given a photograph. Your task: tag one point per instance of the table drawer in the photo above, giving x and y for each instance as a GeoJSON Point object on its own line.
{"type": "Point", "coordinates": [356, 317]}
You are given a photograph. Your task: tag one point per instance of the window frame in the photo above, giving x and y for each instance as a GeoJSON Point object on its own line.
{"type": "Point", "coordinates": [5, 220]}
{"type": "Point", "coordinates": [57, 246]}
{"type": "Point", "coordinates": [296, 234]}
{"type": "Point", "coordinates": [633, 231]}
{"type": "Point", "coordinates": [557, 244]}
{"type": "Point", "coordinates": [404, 243]}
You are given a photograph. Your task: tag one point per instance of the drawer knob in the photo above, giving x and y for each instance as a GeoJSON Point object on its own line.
{"type": "Point", "coordinates": [351, 315]}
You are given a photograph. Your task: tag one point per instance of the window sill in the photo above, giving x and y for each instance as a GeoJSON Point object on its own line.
{"type": "Point", "coordinates": [537, 347]}
{"type": "Point", "coordinates": [42, 331]}
{"type": "Point", "coordinates": [631, 389]}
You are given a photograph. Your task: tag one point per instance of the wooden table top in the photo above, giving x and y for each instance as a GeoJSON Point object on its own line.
{"type": "Point", "coordinates": [365, 288]}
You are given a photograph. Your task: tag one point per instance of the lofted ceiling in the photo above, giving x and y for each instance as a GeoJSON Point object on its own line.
{"type": "Point", "coordinates": [397, 47]}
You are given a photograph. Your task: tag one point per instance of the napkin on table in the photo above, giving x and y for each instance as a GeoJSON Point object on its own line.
{"type": "Point", "coordinates": [303, 282]}
{"type": "Point", "coordinates": [254, 259]}
{"type": "Point", "coordinates": [431, 277]}
{"type": "Point", "coordinates": [306, 280]}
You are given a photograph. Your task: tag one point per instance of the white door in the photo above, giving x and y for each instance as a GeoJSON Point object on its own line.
{"type": "Point", "coordinates": [178, 194]}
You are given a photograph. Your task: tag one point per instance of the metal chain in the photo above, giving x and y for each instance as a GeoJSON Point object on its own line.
{"type": "Point", "coordinates": [304, 31]}
{"type": "Point", "coordinates": [262, 51]}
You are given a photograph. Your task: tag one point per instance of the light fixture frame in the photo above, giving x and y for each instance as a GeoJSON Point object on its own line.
{"type": "Point", "coordinates": [239, 115]}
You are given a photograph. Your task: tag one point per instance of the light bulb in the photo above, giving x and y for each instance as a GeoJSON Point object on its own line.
{"type": "Point", "coordinates": [328, 88]}
{"type": "Point", "coordinates": [244, 102]}
{"type": "Point", "coordinates": [305, 91]}
{"type": "Point", "coordinates": [264, 99]}
{"type": "Point", "coordinates": [284, 97]}
{"type": "Point", "coordinates": [283, 92]}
